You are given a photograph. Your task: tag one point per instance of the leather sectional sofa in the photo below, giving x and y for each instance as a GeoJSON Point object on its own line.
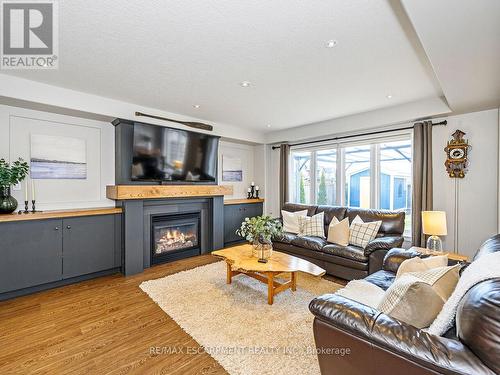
{"type": "Point", "coordinates": [346, 262]}
{"type": "Point", "coordinates": [379, 344]}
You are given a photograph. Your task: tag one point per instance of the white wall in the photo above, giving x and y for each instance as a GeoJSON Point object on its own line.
{"type": "Point", "coordinates": [16, 126]}
{"type": "Point", "coordinates": [247, 154]}
{"type": "Point", "coordinates": [65, 101]}
{"type": "Point", "coordinates": [471, 204]}
{"type": "Point", "coordinates": [370, 120]}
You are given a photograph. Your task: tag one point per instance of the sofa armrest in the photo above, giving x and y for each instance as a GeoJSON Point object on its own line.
{"type": "Point", "coordinates": [396, 256]}
{"type": "Point", "coordinates": [401, 342]}
{"type": "Point", "coordinates": [383, 243]}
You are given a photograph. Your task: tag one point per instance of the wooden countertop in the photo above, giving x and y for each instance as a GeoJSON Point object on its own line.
{"type": "Point", "coordinates": [60, 214]}
{"type": "Point", "coordinates": [451, 255]}
{"type": "Point", "coordinates": [243, 201]}
{"type": "Point", "coordinates": [125, 192]}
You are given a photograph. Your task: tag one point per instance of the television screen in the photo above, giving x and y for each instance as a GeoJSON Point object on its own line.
{"type": "Point", "coordinates": [167, 154]}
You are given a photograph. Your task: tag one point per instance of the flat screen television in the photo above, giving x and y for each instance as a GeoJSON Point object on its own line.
{"type": "Point", "coordinates": [173, 155]}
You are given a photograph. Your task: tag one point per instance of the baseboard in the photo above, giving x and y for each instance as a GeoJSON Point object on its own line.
{"type": "Point", "coordinates": [56, 284]}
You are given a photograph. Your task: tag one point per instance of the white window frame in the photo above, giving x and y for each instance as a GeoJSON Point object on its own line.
{"type": "Point", "coordinates": [375, 181]}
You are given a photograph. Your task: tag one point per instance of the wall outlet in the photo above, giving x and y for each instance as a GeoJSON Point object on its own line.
{"type": "Point", "coordinates": [17, 187]}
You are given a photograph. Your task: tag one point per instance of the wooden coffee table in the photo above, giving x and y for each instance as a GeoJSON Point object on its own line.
{"type": "Point", "coordinates": [239, 260]}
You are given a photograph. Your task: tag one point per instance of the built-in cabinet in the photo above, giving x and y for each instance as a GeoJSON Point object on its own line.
{"type": "Point", "coordinates": [234, 215]}
{"type": "Point", "coordinates": [45, 251]}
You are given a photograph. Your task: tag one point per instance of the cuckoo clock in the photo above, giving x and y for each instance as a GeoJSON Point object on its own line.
{"type": "Point", "coordinates": [456, 155]}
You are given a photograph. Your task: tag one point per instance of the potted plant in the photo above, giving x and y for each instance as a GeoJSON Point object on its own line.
{"type": "Point", "coordinates": [10, 175]}
{"type": "Point", "coordinates": [259, 231]}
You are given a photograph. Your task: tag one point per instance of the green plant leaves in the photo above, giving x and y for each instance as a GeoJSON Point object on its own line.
{"type": "Point", "coordinates": [13, 174]}
{"type": "Point", "coordinates": [263, 227]}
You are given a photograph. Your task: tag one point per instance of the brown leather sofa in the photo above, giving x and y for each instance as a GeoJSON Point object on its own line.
{"type": "Point", "coordinates": [379, 344]}
{"type": "Point", "coordinates": [347, 262]}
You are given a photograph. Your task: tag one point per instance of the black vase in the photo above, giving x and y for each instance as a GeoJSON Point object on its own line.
{"type": "Point", "coordinates": [8, 203]}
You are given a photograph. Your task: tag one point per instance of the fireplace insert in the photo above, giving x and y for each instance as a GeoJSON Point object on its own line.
{"type": "Point", "coordinates": [175, 237]}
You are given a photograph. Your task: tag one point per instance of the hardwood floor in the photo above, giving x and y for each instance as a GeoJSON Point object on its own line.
{"type": "Point", "coordinates": [103, 326]}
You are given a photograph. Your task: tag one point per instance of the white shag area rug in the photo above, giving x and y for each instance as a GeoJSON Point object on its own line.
{"type": "Point", "coordinates": [234, 323]}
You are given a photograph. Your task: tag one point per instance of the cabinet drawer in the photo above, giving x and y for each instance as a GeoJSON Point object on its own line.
{"type": "Point", "coordinates": [30, 254]}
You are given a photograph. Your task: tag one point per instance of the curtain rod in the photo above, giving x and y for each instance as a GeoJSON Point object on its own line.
{"type": "Point", "coordinates": [359, 135]}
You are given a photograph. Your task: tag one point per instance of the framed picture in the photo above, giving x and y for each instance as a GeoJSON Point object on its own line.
{"type": "Point", "coordinates": [231, 169]}
{"type": "Point", "coordinates": [56, 157]}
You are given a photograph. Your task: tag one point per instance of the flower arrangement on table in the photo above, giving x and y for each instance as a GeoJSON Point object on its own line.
{"type": "Point", "coordinates": [259, 231]}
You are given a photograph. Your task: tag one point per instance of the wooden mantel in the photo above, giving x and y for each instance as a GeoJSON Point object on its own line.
{"type": "Point", "coordinates": [126, 192]}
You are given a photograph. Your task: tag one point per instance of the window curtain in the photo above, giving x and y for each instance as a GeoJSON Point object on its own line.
{"type": "Point", "coordinates": [284, 157]}
{"type": "Point", "coordinates": [422, 178]}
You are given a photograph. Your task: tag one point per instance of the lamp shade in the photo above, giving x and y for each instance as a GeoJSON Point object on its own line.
{"type": "Point", "coordinates": [434, 223]}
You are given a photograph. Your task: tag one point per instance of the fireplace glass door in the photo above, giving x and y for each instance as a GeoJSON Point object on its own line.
{"type": "Point", "coordinates": [174, 234]}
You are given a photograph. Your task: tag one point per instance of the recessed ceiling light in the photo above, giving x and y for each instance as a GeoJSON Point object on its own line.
{"type": "Point", "coordinates": [389, 96]}
{"type": "Point", "coordinates": [245, 84]}
{"type": "Point", "coordinates": [268, 125]}
{"type": "Point", "coordinates": [331, 43]}
{"type": "Point", "coordinates": [196, 106]}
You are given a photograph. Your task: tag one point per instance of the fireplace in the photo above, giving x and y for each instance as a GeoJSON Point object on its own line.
{"type": "Point", "coordinates": [175, 237]}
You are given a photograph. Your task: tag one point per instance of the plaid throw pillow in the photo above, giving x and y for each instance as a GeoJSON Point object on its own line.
{"type": "Point", "coordinates": [312, 225]}
{"type": "Point", "coordinates": [361, 233]}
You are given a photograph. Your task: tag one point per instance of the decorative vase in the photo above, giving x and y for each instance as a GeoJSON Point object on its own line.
{"type": "Point", "coordinates": [262, 250]}
{"type": "Point", "coordinates": [8, 203]}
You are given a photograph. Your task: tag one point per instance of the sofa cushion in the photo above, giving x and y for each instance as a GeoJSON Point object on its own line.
{"type": "Point", "coordinates": [412, 300]}
{"type": "Point", "coordinates": [311, 225]}
{"type": "Point", "coordinates": [291, 220]}
{"type": "Point", "coordinates": [293, 207]}
{"type": "Point", "coordinates": [338, 232]}
{"type": "Point", "coordinates": [309, 242]}
{"type": "Point", "coordinates": [478, 322]}
{"type": "Point", "coordinates": [418, 264]}
{"type": "Point", "coordinates": [361, 233]}
{"type": "Point", "coordinates": [284, 237]}
{"type": "Point", "coordinates": [392, 222]}
{"type": "Point", "coordinates": [350, 252]}
{"type": "Point", "coordinates": [491, 245]}
{"type": "Point", "coordinates": [382, 279]}
{"type": "Point", "coordinates": [301, 252]}
{"type": "Point", "coordinates": [331, 212]}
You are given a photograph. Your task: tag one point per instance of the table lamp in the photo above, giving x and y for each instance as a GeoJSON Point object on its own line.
{"type": "Point", "coordinates": [434, 224]}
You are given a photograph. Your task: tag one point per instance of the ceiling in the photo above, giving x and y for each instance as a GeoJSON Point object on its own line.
{"type": "Point", "coordinates": [171, 55]}
{"type": "Point", "coordinates": [462, 40]}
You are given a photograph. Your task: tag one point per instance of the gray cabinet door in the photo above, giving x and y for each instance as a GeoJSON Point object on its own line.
{"type": "Point", "coordinates": [30, 253]}
{"type": "Point", "coordinates": [234, 215]}
{"type": "Point", "coordinates": [89, 245]}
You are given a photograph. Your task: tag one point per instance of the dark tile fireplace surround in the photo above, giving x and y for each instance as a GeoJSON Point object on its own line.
{"type": "Point", "coordinates": [162, 230]}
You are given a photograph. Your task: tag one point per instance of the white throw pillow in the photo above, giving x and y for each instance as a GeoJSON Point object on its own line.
{"type": "Point", "coordinates": [291, 220]}
{"type": "Point", "coordinates": [417, 298]}
{"type": "Point", "coordinates": [361, 233]}
{"type": "Point", "coordinates": [417, 264]}
{"type": "Point", "coordinates": [338, 231]}
{"type": "Point", "coordinates": [312, 225]}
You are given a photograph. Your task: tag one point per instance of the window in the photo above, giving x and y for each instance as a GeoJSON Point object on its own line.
{"type": "Point", "coordinates": [357, 173]}
{"type": "Point", "coordinates": [395, 178]}
{"type": "Point", "coordinates": [326, 177]}
{"type": "Point", "coordinates": [370, 174]}
{"type": "Point", "coordinates": [301, 177]}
